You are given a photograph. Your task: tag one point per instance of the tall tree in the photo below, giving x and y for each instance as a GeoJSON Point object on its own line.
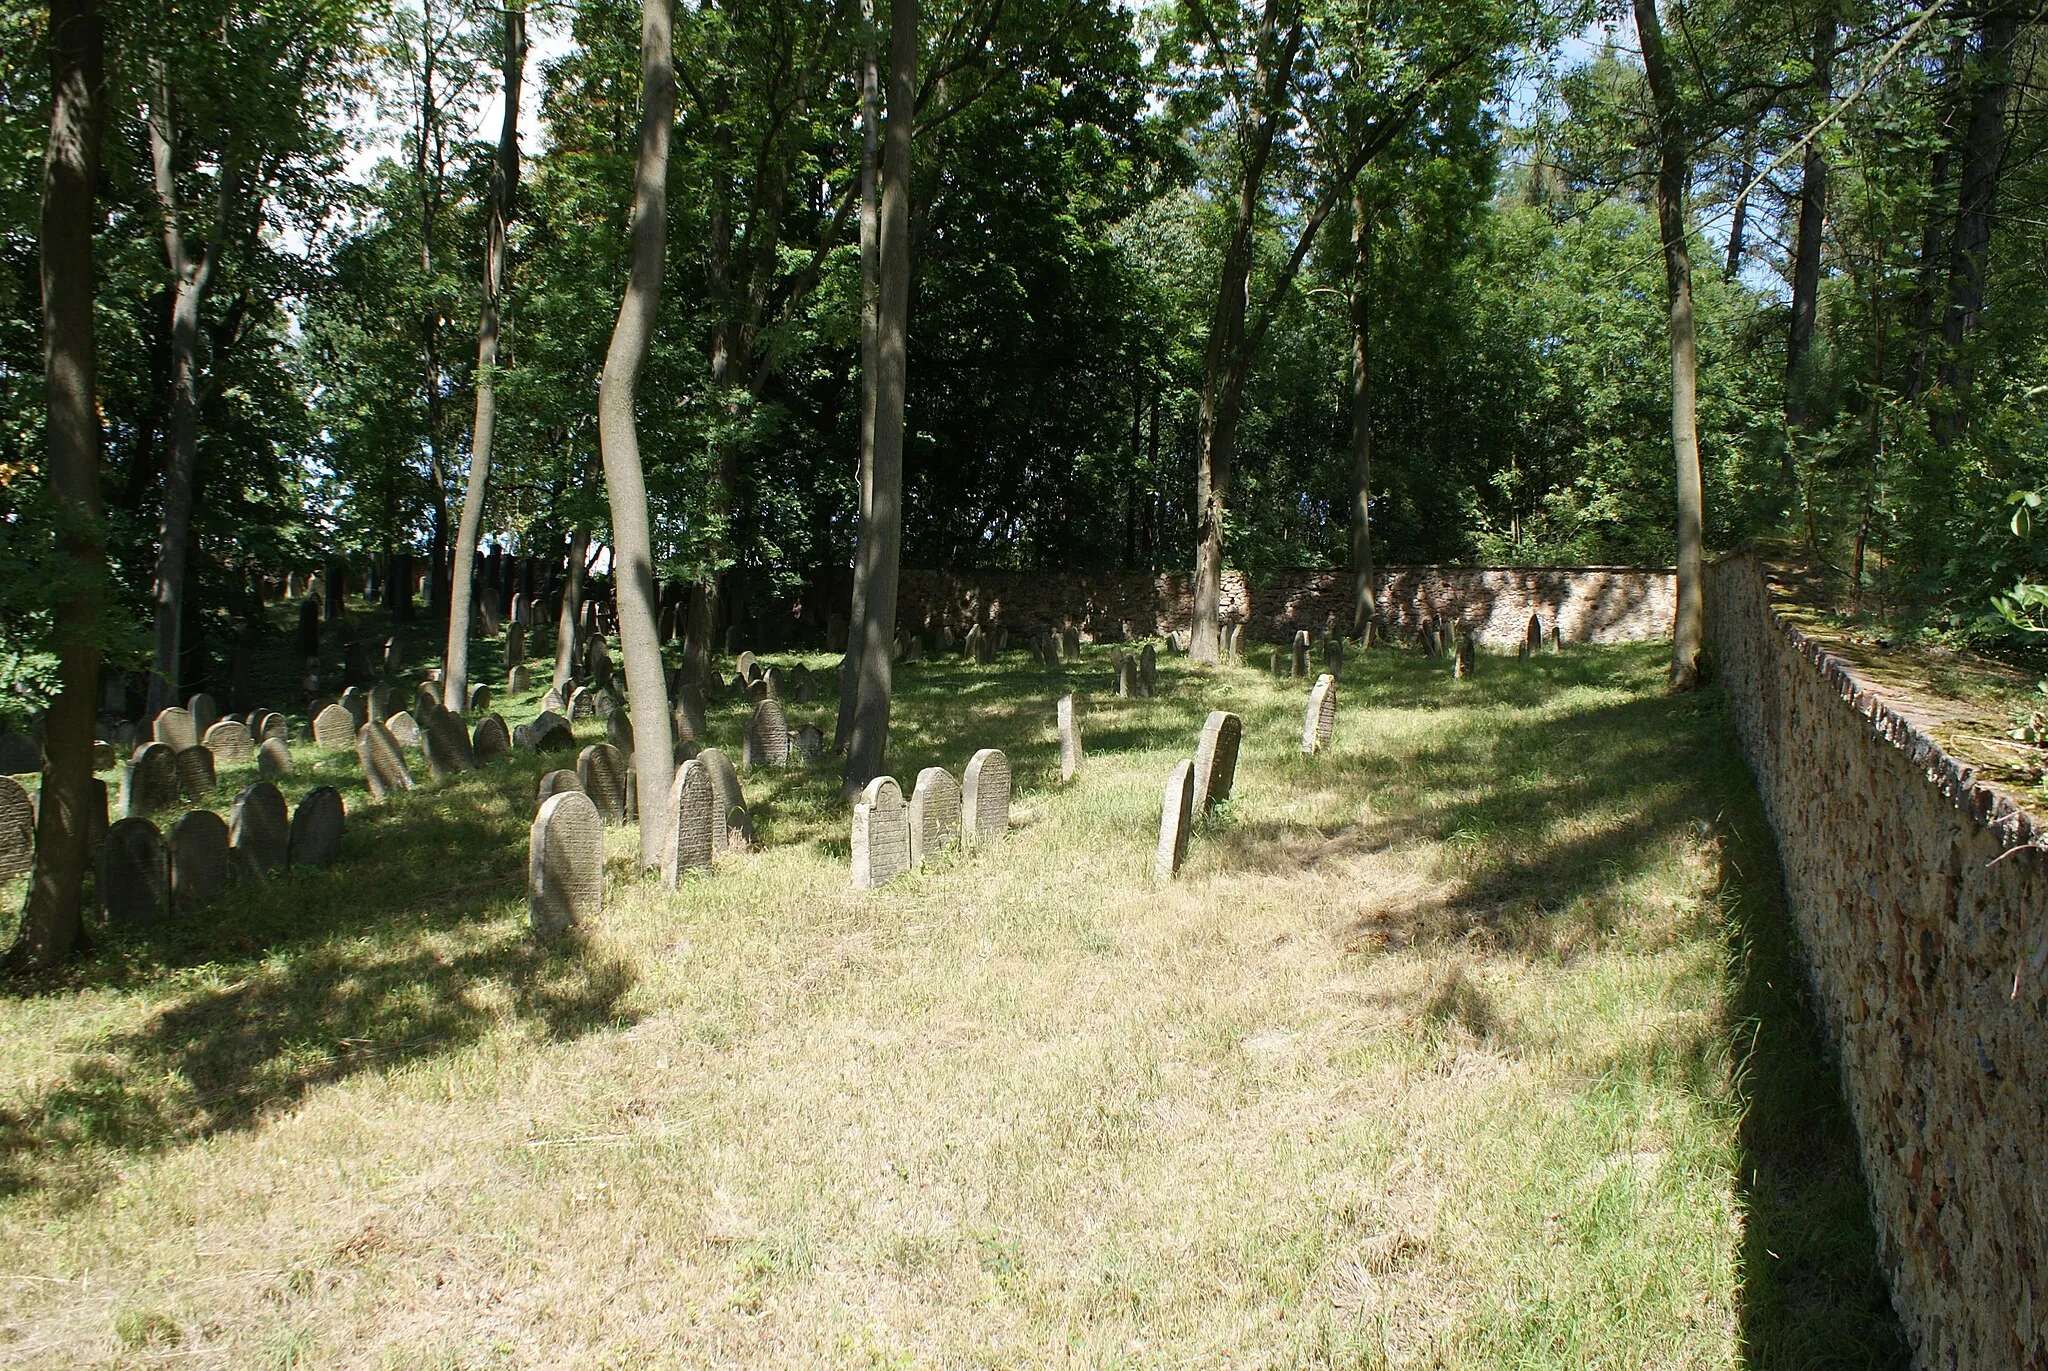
{"type": "Point", "coordinates": [53, 915]}
{"type": "Point", "coordinates": [618, 434]}
{"type": "Point", "coordinates": [1363, 607]}
{"type": "Point", "coordinates": [497, 221]}
{"type": "Point", "coordinates": [1983, 154]}
{"type": "Point", "coordinates": [870, 291]}
{"type": "Point", "coordinates": [881, 533]}
{"type": "Point", "coordinates": [1813, 212]}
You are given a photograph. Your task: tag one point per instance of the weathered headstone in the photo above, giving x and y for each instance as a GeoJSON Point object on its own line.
{"type": "Point", "coordinates": [384, 772]}
{"type": "Point", "coordinates": [1070, 645]}
{"type": "Point", "coordinates": [767, 738]}
{"type": "Point", "coordinates": [776, 682]}
{"type": "Point", "coordinates": [1070, 738]}
{"type": "Point", "coordinates": [618, 730]}
{"type": "Point", "coordinates": [565, 864]}
{"type": "Point", "coordinates": [803, 686]}
{"type": "Point", "coordinates": [689, 712]}
{"type": "Point", "coordinates": [1333, 655]}
{"type": "Point", "coordinates": [1425, 636]}
{"type": "Point", "coordinates": [601, 771]}
{"type": "Point", "coordinates": [1556, 636]}
{"type": "Point", "coordinates": [273, 725]}
{"type": "Point", "coordinates": [426, 696]}
{"type": "Point", "coordinates": [273, 758]}
{"type": "Point", "coordinates": [1126, 674]}
{"type": "Point", "coordinates": [1216, 759]}
{"type": "Point", "coordinates": [1148, 670]}
{"type": "Point", "coordinates": [204, 711]}
{"type": "Point", "coordinates": [746, 667]}
{"type": "Point", "coordinates": [984, 648]}
{"type": "Point", "coordinates": [479, 699]}
{"type": "Point", "coordinates": [1532, 641]}
{"type": "Point", "coordinates": [133, 880]}
{"type": "Point", "coordinates": [404, 729]}
{"type": "Point", "coordinates": [445, 742]}
{"type": "Point", "coordinates": [555, 698]}
{"type": "Point", "coordinates": [196, 772]}
{"type": "Point", "coordinates": [551, 733]}
{"type": "Point", "coordinates": [173, 728]}
{"type": "Point", "coordinates": [985, 797]}
{"type": "Point", "coordinates": [582, 704]}
{"type": "Point", "coordinates": [1321, 719]}
{"type": "Point", "coordinates": [521, 615]}
{"type": "Point", "coordinates": [334, 728]}
{"type": "Point", "coordinates": [316, 827]}
{"type": "Point", "coordinates": [726, 802]}
{"type": "Point", "coordinates": [808, 743]}
{"type": "Point", "coordinates": [1299, 667]}
{"type": "Point", "coordinates": [934, 813]}
{"type": "Point", "coordinates": [491, 738]}
{"type": "Point", "coordinates": [19, 755]}
{"type": "Point", "coordinates": [357, 702]}
{"type": "Point", "coordinates": [1467, 659]}
{"type": "Point", "coordinates": [515, 645]}
{"type": "Point", "coordinates": [17, 830]}
{"type": "Point", "coordinates": [556, 782]}
{"type": "Point", "coordinates": [518, 681]}
{"type": "Point", "coordinates": [881, 834]}
{"type": "Point", "coordinates": [198, 844]}
{"type": "Point", "coordinates": [686, 842]}
{"type": "Point", "coordinates": [260, 829]}
{"type": "Point", "coordinates": [230, 742]}
{"type": "Point", "coordinates": [1176, 820]}
{"type": "Point", "coordinates": [394, 655]}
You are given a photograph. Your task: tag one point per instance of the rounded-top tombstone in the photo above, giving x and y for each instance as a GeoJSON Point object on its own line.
{"type": "Point", "coordinates": [881, 834]}
{"type": "Point", "coordinates": [150, 782]}
{"type": "Point", "coordinates": [686, 842]}
{"type": "Point", "coordinates": [17, 829]}
{"type": "Point", "coordinates": [198, 844]}
{"type": "Point", "coordinates": [555, 782]}
{"type": "Point", "coordinates": [1148, 670]}
{"type": "Point", "coordinates": [334, 727]}
{"type": "Point", "coordinates": [1320, 720]}
{"type": "Point", "coordinates": [618, 730]}
{"type": "Point", "coordinates": [565, 864]}
{"type": "Point", "coordinates": [196, 772]}
{"type": "Point", "coordinates": [273, 758]}
{"type": "Point", "coordinates": [404, 729]}
{"type": "Point", "coordinates": [1176, 818]}
{"type": "Point", "coordinates": [173, 728]}
{"type": "Point", "coordinates": [316, 827]}
{"type": "Point", "coordinates": [446, 744]}
{"type": "Point", "coordinates": [601, 769]}
{"type": "Point", "coordinates": [934, 813]}
{"type": "Point", "coordinates": [1216, 759]}
{"type": "Point", "coordinates": [725, 799]}
{"type": "Point", "coordinates": [767, 738]}
{"type": "Point", "coordinates": [230, 742]}
{"type": "Point", "coordinates": [491, 739]}
{"type": "Point", "coordinates": [260, 828]}
{"type": "Point", "coordinates": [383, 764]}
{"type": "Point", "coordinates": [134, 874]}
{"type": "Point", "coordinates": [985, 797]}
{"type": "Point", "coordinates": [204, 711]}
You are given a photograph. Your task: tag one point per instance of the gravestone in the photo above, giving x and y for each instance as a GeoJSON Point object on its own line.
{"type": "Point", "coordinates": [334, 728]}
{"type": "Point", "coordinates": [632, 774]}
{"type": "Point", "coordinates": [380, 700]}
{"type": "Point", "coordinates": [767, 738]}
{"type": "Point", "coordinates": [985, 648]}
{"type": "Point", "coordinates": [1216, 759]}
{"type": "Point", "coordinates": [383, 765]}
{"type": "Point", "coordinates": [150, 782]}
{"type": "Point", "coordinates": [445, 742]}
{"type": "Point", "coordinates": [1230, 644]}
{"type": "Point", "coordinates": [404, 729]}
{"type": "Point", "coordinates": [196, 773]}
{"type": "Point", "coordinates": [1070, 738]}
{"type": "Point", "coordinates": [520, 614]}
{"type": "Point", "coordinates": [357, 667]}
{"type": "Point", "coordinates": [259, 829]}
{"type": "Point", "coordinates": [565, 864]}
{"type": "Point", "coordinates": [273, 725]}
{"type": "Point", "coordinates": [985, 797]}
{"type": "Point", "coordinates": [273, 758]}
{"type": "Point", "coordinates": [133, 879]}
{"type": "Point", "coordinates": [1148, 671]}
{"type": "Point", "coordinates": [601, 771]}
{"type": "Point", "coordinates": [555, 698]}
{"type": "Point", "coordinates": [558, 782]}
{"type": "Point", "coordinates": [1176, 820]}
{"type": "Point", "coordinates": [1299, 667]}
{"type": "Point", "coordinates": [479, 699]}
{"type": "Point", "coordinates": [808, 742]}
{"type": "Point", "coordinates": [491, 738]}
{"type": "Point", "coordinates": [17, 830]}
{"type": "Point", "coordinates": [518, 681]}
{"type": "Point", "coordinates": [686, 842]}
{"type": "Point", "coordinates": [1556, 637]}
{"type": "Point", "coordinates": [1333, 655]}
{"type": "Point", "coordinates": [582, 704]}
{"type": "Point", "coordinates": [1070, 645]}
{"type": "Point", "coordinates": [425, 697]}
{"type": "Point", "coordinates": [972, 643]}
{"type": "Point", "coordinates": [487, 612]}
{"type": "Point", "coordinates": [357, 703]}
{"type": "Point", "coordinates": [316, 827]}
{"type": "Point", "coordinates": [618, 730]}
{"type": "Point", "coordinates": [394, 656]}
{"type": "Point", "coordinates": [881, 834]}
{"type": "Point", "coordinates": [1425, 636]}
{"type": "Point", "coordinates": [204, 711]}
{"type": "Point", "coordinates": [1532, 641]}
{"type": "Point", "coordinates": [934, 813]}
{"type": "Point", "coordinates": [835, 633]}
{"type": "Point", "coordinates": [230, 742]}
{"type": "Point", "coordinates": [910, 649]}
{"type": "Point", "coordinates": [19, 755]}
{"type": "Point", "coordinates": [1126, 674]}
{"type": "Point", "coordinates": [689, 713]}
{"type": "Point", "coordinates": [173, 728]}
{"type": "Point", "coordinates": [1000, 641]}
{"type": "Point", "coordinates": [803, 686]}
{"type": "Point", "coordinates": [551, 733]}
{"type": "Point", "coordinates": [1467, 659]}
{"type": "Point", "coordinates": [746, 667]}
{"type": "Point", "coordinates": [1321, 719]}
{"type": "Point", "coordinates": [777, 684]}
{"type": "Point", "coordinates": [309, 626]}
{"type": "Point", "coordinates": [104, 758]}
{"type": "Point", "coordinates": [946, 638]}
{"type": "Point", "coordinates": [200, 864]}
{"type": "Point", "coordinates": [730, 828]}
{"type": "Point", "coordinates": [515, 645]}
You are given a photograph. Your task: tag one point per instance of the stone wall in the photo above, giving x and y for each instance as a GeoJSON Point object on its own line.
{"type": "Point", "coordinates": [1921, 898]}
{"type": "Point", "coordinates": [1593, 604]}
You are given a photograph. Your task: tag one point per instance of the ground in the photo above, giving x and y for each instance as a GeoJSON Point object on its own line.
{"type": "Point", "coordinates": [1475, 1041]}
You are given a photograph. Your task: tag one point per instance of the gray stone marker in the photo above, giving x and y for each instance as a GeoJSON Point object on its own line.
{"type": "Point", "coordinates": [601, 771]}
{"type": "Point", "coordinates": [689, 713]}
{"type": "Point", "coordinates": [1467, 659]}
{"type": "Point", "coordinates": [491, 738]}
{"type": "Point", "coordinates": [1126, 675]}
{"type": "Point", "coordinates": [881, 834]}
{"type": "Point", "coordinates": [1532, 641]}
{"type": "Point", "coordinates": [934, 814]}
{"type": "Point", "coordinates": [1299, 669]}
{"type": "Point", "coordinates": [803, 686]}
{"type": "Point", "coordinates": [404, 729]}
{"type": "Point", "coordinates": [357, 704]}
{"type": "Point", "coordinates": [1070, 645]}
{"type": "Point", "coordinates": [487, 611]}
{"type": "Point", "coordinates": [1333, 655]}
{"type": "Point", "coordinates": [260, 829]}
{"type": "Point", "coordinates": [17, 830]}
{"type": "Point", "coordinates": [726, 799]}
{"type": "Point", "coordinates": [776, 683]}
{"type": "Point", "coordinates": [425, 696]}
{"type": "Point", "coordinates": [1321, 719]}
{"type": "Point", "coordinates": [229, 741]}
{"type": "Point", "coordinates": [446, 744]}
{"type": "Point", "coordinates": [1216, 759]}
{"type": "Point", "coordinates": [204, 710]}
{"type": "Point", "coordinates": [985, 648]}
{"type": "Point", "coordinates": [273, 725]}
{"type": "Point", "coordinates": [1176, 819]}
{"type": "Point", "coordinates": [518, 681]}
{"type": "Point", "coordinates": [197, 775]}
{"type": "Point", "coordinates": [381, 700]}
{"type": "Point", "coordinates": [520, 613]}
{"type": "Point", "coordinates": [551, 733]}
{"type": "Point", "coordinates": [767, 738]}
{"type": "Point", "coordinates": [1148, 670]}
{"type": "Point", "coordinates": [174, 729]}
{"type": "Point", "coordinates": [1070, 739]}
{"type": "Point", "coordinates": [746, 667]}
{"type": "Point", "coordinates": [565, 864]}
{"type": "Point", "coordinates": [19, 755]}
{"type": "Point", "coordinates": [808, 743]}
{"type": "Point", "coordinates": [383, 764]}
{"type": "Point", "coordinates": [133, 879]}
{"type": "Point", "coordinates": [557, 782]}
{"type": "Point", "coordinates": [582, 704]}
{"type": "Point", "coordinates": [316, 827]}
{"type": "Point", "coordinates": [334, 728]}
{"type": "Point", "coordinates": [200, 863]}
{"type": "Point", "coordinates": [686, 842]}
{"type": "Point", "coordinates": [479, 699]}
{"type": "Point", "coordinates": [515, 645]}
{"type": "Point", "coordinates": [985, 797]}
{"type": "Point", "coordinates": [150, 782]}
{"type": "Point", "coordinates": [273, 758]}
{"type": "Point", "coordinates": [618, 730]}
{"type": "Point", "coordinates": [394, 655]}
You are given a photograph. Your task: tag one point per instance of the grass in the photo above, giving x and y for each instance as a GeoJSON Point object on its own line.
{"type": "Point", "coordinates": [1476, 1041]}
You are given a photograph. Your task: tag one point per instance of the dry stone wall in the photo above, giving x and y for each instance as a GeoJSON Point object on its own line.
{"type": "Point", "coordinates": [1921, 897]}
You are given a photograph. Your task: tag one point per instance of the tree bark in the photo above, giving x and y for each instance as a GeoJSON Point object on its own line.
{"type": "Point", "coordinates": [569, 622]}
{"type": "Point", "coordinates": [1364, 607]}
{"type": "Point", "coordinates": [1673, 171]}
{"type": "Point", "coordinates": [870, 292]}
{"type": "Point", "coordinates": [52, 918]}
{"type": "Point", "coordinates": [619, 439]}
{"type": "Point", "coordinates": [504, 190]}
{"type": "Point", "coordinates": [1813, 209]}
{"type": "Point", "coordinates": [882, 530]}
{"type": "Point", "coordinates": [1983, 152]}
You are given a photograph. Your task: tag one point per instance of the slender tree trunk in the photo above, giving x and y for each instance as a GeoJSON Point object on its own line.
{"type": "Point", "coordinates": [882, 530]}
{"type": "Point", "coordinates": [427, 167]}
{"type": "Point", "coordinates": [870, 295]}
{"type": "Point", "coordinates": [1813, 210]}
{"type": "Point", "coordinates": [619, 439]}
{"type": "Point", "coordinates": [1364, 607]}
{"type": "Point", "coordinates": [504, 189]}
{"type": "Point", "coordinates": [52, 918]}
{"type": "Point", "coordinates": [568, 624]}
{"type": "Point", "coordinates": [1673, 171]}
{"type": "Point", "coordinates": [1738, 223]}
{"type": "Point", "coordinates": [1983, 152]}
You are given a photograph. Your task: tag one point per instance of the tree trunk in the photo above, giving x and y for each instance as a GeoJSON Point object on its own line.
{"type": "Point", "coordinates": [882, 530]}
{"type": "Point", "coordinates": [1983, 151]}
{"type": "Point", "coordinates": [52, 918]}
{"type": "Point", "coordinates": [569, 621]}
{"type": "Point", "coordinates": [1364, 607]}
{"type": "Point", "coordinates": [1673, 170]}
{"type": "Point", "coordinates": [870, 292]}
{"type": "Point", "coordinates": [504, 188]}
{"type": "Point", "coordinates": [1738, 223]}
{"type": "Point", "coordinates": [1813, 210]}
{"type": "Point", "coordinates": [619, 439]}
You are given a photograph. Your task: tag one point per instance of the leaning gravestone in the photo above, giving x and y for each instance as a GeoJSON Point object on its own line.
{"type": "Point", "coordinates": [405, 731]}
{"type": "Point", "coordinates": [173, 728]}
{"type": "Point", "coordinates": [985, 797]}
{"type": "Point", "coordinates": [150, 782]}
{"type": "Point", "coordinates": [1070, 739]}
{"type": "Point", "coordinates": [1216, 759]}
{"type": "Point", "coordinates": [776, 683]}
{"type": "Point", "coordinates": [934, 813]}
{"type": "Point", "coordinates": [767, 739]}
{"type": "Point", "coordinates": [881, 834]}
{"type": "Point", "coordinates": [601, 771]}
{"type": "Point", "coordinates": [316, 827]}
{"type": "Point", "coordinates": [273, 758]}
{"type": "Point", "coordinates": [686, 842]}
{"type": "Point", "coordinates": [1299, 668]}
{"type": "Point", "coordinates": [260, 829]}
{"type": "Point", "coordinates": [230, 742]}
{"type": "Point", "coordinates": [196, 772]}
{"type": "Point", "coordinates": [1176, 819]}
{"type": "Point", "coordinates": [334, 728]}
{"type": "Point", "coordinates": [427, 695]}
{"type": "Point", "coordinates": [134, 875]}
{"type": "Point", "coordinates": [689, 713]}
{"type": "Point", "coordinates": [445, 742]}
{"type": "Point", "coordinates": [1148, 671]}
{"type": "Point", "coordinates": [565, 864]}
{"type": "Point", "coordinates": [1321, 719]}
{"type": "Point", "coordinates": [204, 711]}
{"type": "Point", "coordinates": [491, 738]}
{"type": "Point", "coordinates": [384, 770]}
{"type": "Point", "coordinates": [746, 667]}
{"type": "Point", "coordinates": [200, 866]}
{"type": "Point", "coordinates": [17, 830]}
{"type": "Point", "coordinates": [727, 803]}
{"type": "Point", "coordinates": [808, 743]}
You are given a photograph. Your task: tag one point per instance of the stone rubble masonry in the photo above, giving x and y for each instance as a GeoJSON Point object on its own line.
{"type": "Point", "coordinates": [1921, 898]}
{"type": "Point", "coordinates": [1590, 604]}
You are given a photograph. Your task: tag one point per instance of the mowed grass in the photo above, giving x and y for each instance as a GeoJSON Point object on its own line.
{"type": "Point", "coordinates": [1475, 1041]}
